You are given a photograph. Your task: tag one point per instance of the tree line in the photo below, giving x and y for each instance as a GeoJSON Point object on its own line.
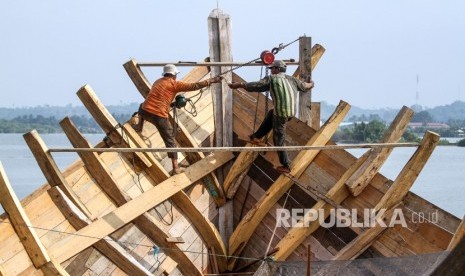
{"type": "Point", "coordinates": [49, 124]}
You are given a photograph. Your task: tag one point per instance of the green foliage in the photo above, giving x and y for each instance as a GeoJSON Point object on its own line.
{"type": "Point", "coordinates": [422, 117]}
{"type": "Point", "coordinates": [26, 123]}
{"type": "Point", "coordinates": [461, 143]}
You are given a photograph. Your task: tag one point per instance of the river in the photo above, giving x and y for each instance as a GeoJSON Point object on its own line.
{"type": "Point", "coordinates": [441, 182]}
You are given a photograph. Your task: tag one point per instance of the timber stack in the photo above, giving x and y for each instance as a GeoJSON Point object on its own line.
{"type": "Point", "coordinates": [117, 210]}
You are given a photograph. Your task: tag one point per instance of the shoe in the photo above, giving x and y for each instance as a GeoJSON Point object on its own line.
{"type": "Point", "coordinates": [283, 169]}
{"type": "Point", "coordinates": [177, 171]}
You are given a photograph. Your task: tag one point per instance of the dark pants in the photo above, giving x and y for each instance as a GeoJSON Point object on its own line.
{"type": "Point", "coordinates": [164, 128]}
{"type": "Point", "coordinates": [278, 124]}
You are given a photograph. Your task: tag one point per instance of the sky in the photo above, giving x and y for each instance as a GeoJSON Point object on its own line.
{"type": "Point", "coordinates": [378, 53]}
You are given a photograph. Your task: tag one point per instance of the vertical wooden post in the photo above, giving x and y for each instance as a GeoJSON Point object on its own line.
{"type": "Point", "coordinates": [315, 111]}
{"type": "Point", "coordinates": [305, 56]}
{"type": "Point", "coordinates": [219, 30]}
{"type": "Point", "coordinates": [309, 253]}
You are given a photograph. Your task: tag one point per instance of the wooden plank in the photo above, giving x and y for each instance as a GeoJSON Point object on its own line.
{"type": "Point", "coordinates": [361, 178]}
{"type": "Point", "coordinates": [315, 115]}
{"type": "Point", "coordinates": [23, 228]}
{"type": "Point", "coordinates": [182, 136]}
{"type": "Point", "coordinates": [50, 169]}
{"type": "Point", "coordinates": [410, 172]}
{"type": "Point", "coordinates": [337, 193]}
{"type": "Point", "coordinates": [107, 247]}
{"type": "Point", "coordinates": [245, 159]}
{"type": "Point", "coordinates": [137, 77]}
{"type": "Point", "coordinates": [305, 98]}
{"type": "Point", "coordinates": [458, 235]}
{"type": "Point", "coordinates": [219, 30]}
{"type": "Point", "coordinates": [154, 170]}
{"type": "Point", "coordinates": [219, 33]}
{"type": "Point", "coordinates": [364, 240]}
{"type": "Point", "coordinates": [250, 222]}
{"type": "Point", "coordinates": [134, 208]}
{"type": "Point", "coordinates": [103, 176]}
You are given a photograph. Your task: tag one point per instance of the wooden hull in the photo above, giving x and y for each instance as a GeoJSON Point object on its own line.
{"type": "Point", "coordinates": [129, 250]}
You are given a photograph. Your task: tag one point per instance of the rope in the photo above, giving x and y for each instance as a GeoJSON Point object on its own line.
{"type": "Point", "coordinates": [275, 50]}
{"type": "Point", "coordinates": [133, 243]}
{"type": "Point", "coordinates": [276, 226]}
{"type": "Point", "coordinates": [239, 149]}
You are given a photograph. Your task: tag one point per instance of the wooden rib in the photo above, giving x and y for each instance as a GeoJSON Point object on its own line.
{"type": "Point", "coordinates": [116, 219]}
{"type": "Point", "coordinates": [245, 159]}
{"type": "Point", "coordinates": [99, 171]}
{"type": "Point", "coordinates": [109, 248]}
{"type": "Point", "coordinates": [458, 235]}
{"type": "Point", "coordinates": [137, 77]}
{"type": "Point", "coordinates": [364, 240]}
{"type": "Point", "coordinates": [155, 170]}
{"type": "Point", "coordinates": [250, 222]}
{"type": "Point", "coordinates": [305, 56]}
{"type": "Point", "coordinates": [50, 169]}
{"type": "Point", "coordinates": [317, 53]}
{"type": "Point", "coordinates": [182, 136]}
{"type": "Point", "coordinates": [361, 178]}
{"type": "Point", "coordinates": [410, 172]}
{"type": "Point", "coordinates": [23, 228]}
{"type": "Point", "coordinates": [340, 191]}
{"type": "Point", "coordinates": [337, 193]}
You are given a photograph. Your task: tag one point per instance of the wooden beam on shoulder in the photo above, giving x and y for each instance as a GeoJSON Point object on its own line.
{"type": "Point", "coordinates": [458, 235]}
{"type": "Point", "coordinates": [129, 138]}
{"type": "Point", "coordinates": [109, 248]}
{"type": "Point", "coordinates": [50, 169]}
{"type": "Point", "coordinates": [361, 178]}
{"type": "Point", "coordinates": [410, 172]}
{"type": "Point", "coordinates": [253, 218]}
{"type": "Point", "coordinates": [116, 219]}
{"type": "Point", "coordinates": [24, 229]}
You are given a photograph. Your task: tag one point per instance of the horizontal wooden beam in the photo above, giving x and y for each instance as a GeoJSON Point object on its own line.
{"type": "Point", "coordinates": [111, 222]}
{"type": "Point", "coordinates": [109, 248]}
{"type": "Point", "coordinates": [241, 149]}
{"type": "Point", "coordinates": [146, 223]}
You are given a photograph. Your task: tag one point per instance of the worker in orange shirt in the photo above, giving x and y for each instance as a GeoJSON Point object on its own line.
{"type": "Point", "coordinates": [157, 104]}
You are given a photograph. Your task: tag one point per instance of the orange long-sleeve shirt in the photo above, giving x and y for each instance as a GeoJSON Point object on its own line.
{"type": "Point", "coordinates": [163, 92]}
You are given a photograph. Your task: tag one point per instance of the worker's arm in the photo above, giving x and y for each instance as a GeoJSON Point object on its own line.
{"type": "Point", "coordinates": [302, 86]}
{"type": "Point", "coordinates": [257, 86]}
{"type": "Point", "coordinates": [187, 86]}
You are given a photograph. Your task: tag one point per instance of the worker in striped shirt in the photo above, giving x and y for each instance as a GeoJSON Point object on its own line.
{"type": "Point", "coordinates": [283, 89]}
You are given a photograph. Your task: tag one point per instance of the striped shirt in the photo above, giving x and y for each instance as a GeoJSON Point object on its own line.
{"type": "Point", "coordinates": [283, 89]}
{"type": "Point", "coordinates": [163, 91]}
